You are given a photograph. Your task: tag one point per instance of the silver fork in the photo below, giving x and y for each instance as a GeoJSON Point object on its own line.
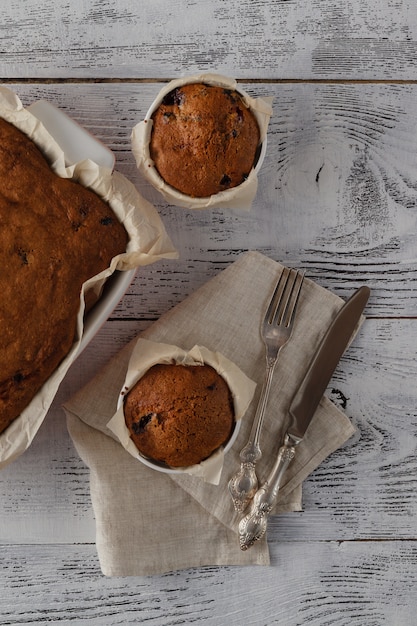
{"type": "Point", "coordinates": [276, 329]}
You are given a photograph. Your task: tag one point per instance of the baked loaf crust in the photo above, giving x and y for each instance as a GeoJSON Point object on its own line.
{"type": "Point", "coordinates": [179, 414]}
{"type": "Point", "coordinates": [204, 139]}
{"type": "Point", "coordinates": [55, 234]}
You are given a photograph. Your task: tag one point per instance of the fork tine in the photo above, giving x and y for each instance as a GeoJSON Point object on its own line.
{"type": "Point", "coordinates": [285, 298]}
{"type": "Point", "coordinates": [277, 296]}
{"type": "Point", "coordinates": [293, 293]}
{"type": "Point", "coordinates": [283, 303]}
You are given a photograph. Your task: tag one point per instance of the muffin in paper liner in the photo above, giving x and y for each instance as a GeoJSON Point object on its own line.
{"type": "Point", "coordinates": [148, 242]}
{"type": "Point", "coordinates": [147, 353]}
{"type": "Point", "coordinates": [240, 197]}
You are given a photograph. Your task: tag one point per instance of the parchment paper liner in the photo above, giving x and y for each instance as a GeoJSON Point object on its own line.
{"type": "Point", "coordinates": [240, 197]}
{"type": "Point", "coordinates": [148, 243]}
{"type": "Point", "coordinates": [147, 353]}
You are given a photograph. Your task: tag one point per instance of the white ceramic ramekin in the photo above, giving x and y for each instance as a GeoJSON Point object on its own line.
{"type": "Point", "coordinates": [240, 197]}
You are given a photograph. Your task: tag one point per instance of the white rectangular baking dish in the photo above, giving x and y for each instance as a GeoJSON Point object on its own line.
{"type": "Point", "coordinates": [74, 151]}
{"type": "Point", "coordinates": [78, 144]}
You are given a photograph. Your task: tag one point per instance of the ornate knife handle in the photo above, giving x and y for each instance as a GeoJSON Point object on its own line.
{"type": "Point", "coordinates": [253, 526]}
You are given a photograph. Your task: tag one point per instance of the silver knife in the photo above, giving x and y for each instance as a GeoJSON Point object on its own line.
{"type": "Point", "coordinates": [303, 406]}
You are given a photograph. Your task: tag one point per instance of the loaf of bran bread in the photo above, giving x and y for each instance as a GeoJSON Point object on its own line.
{"type": "Point", "coordinates": [55, 234]}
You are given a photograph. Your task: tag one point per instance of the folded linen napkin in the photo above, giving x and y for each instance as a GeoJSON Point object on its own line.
{"type": "Point", "coordinates": [148, 522]}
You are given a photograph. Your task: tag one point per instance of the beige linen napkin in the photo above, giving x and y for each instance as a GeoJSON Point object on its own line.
{"type": "Point", "coordinates": [148, 522]}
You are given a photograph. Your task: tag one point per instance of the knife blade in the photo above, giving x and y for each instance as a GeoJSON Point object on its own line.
{"type": "Point", "coordinates": [325, 361]}
{"type": "Point", "coordinates": [301, 411]}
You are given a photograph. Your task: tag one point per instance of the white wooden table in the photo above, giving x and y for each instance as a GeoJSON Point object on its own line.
{"type": "Point", "coordinates": [337, 196]}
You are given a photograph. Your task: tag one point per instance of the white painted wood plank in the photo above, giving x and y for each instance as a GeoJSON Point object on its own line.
{"type": "Point", "coordinates": [337, 192]}
{"type": "Point", "coordinates": [318, 39]}
{"type": "Point", "coordinates": [378, 250]}
{"type": "Point", "coordinates": [367, 490]}
{"type": "Point", "coordinates": [319, 583]}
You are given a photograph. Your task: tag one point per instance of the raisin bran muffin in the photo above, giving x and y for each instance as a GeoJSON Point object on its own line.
{"type": "Point", "coordinates": [179, 414]}
{"type": "Point", "coordinates": [55, 234]}
{"type": "Point", "coordinates": [204, 139]}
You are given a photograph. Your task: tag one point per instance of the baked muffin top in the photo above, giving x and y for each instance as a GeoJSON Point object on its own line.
{"type": "Point", "coordinates": [204, 139]}
{"type": "Point", "coordinates": [178, 414]}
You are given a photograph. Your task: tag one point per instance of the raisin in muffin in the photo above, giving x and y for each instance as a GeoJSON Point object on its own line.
{"type": "Point", "coordinates": [204, 139]}
{"type": "Point", "coordinates": [179, 415]}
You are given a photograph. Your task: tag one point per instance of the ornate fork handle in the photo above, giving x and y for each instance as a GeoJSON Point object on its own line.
{"type": "Point", "coordinates": [253, 526]}
{"type": "Point", "coordinates": [276, 330]}
{"type": "Point", "coordinates": [244, 483]}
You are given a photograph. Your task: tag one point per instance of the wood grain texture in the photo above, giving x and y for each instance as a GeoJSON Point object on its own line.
{"type": "Point", "coordinates": [111, 39]}
{"type": "Point", "coordinates": [322, 584]}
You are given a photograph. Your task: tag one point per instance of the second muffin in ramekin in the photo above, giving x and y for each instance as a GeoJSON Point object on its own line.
{"type": "Point", "coordinates": [179, 415]}
{"type": "Point", "coordinates": [202, 142]}
{"type": "Point", "coordinates": [179, 411]}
